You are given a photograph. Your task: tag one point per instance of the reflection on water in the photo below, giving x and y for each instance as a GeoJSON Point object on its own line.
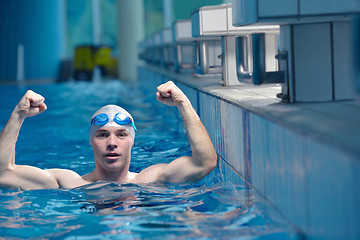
{"type": "Point", "coordinates": [140, 211]}
{"type": "Point", "coordinates": [58, 138]}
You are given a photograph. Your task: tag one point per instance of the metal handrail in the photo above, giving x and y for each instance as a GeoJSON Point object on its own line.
{"type": "Point", "coordinates": [201, 59]}
{"type": "Point", "coordinates": [254, 44]}
{"type": "Point", "coordinates": [179, 58]}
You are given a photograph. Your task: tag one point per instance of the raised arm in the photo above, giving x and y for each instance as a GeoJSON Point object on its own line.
{"type": "Point", "coordinates": [12, 175]}
{"type": "Point", "coordinates": [30, 105]}
{"type": "Point", "coordinates": [204, 157]}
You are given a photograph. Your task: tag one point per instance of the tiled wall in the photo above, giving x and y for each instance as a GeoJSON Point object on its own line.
{"type": "Point", "coordinates": [314, 184]}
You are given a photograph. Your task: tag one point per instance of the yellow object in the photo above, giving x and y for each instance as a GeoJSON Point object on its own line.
{"type": "Point", "coordinates": [87, 57]}
{"type": "Point", "coordinates": [113, 68]}
{"type": "Point", "coordinates": [102, 56]}
{"type": "Point", "coordinates": [84, 58]}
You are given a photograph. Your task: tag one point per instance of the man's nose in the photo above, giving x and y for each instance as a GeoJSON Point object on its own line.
{"type": "Point", "coordinates": [112, 142]}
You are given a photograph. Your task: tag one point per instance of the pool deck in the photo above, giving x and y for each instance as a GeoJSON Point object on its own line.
{"type": "Point", "coordinates": [341, 119]}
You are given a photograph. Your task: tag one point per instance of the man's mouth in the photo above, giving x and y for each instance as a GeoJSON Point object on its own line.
{"type": "Point", "coordinates": [112, 155]}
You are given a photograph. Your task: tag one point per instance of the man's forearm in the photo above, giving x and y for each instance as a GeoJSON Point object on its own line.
{"type": "Point", "coordinates": [204, 157]}
{"type": "Point", "coordinates": [203, 152]}
{"type": "Point", "coordinates": [8, 138]}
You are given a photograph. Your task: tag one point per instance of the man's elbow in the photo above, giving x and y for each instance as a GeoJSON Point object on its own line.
{"type": "Point", "coordinates": [6, 166]}
{"type": "Point", "coordinates": [208, 166]}
{"type": "Point", "coordinates": [213, 161]}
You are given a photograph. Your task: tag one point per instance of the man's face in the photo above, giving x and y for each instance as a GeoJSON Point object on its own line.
{"type": "Point", "coordinates": [112, 148]}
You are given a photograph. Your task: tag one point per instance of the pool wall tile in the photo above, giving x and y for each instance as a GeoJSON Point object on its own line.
{"type": "Point", "coordinates": [331, 172]}
{"type": "Point", "coordinates": [231, 128]}
{"type": "Point", "coordinates": [295, 150]}
{"type": "Point", "coordinates": [229, 175]}
{"type": "Point", "coordinates": [287, 174]}
{"type": "Point", "coordinates": [258, 140]}
{"type": "Point", "coordinates": [211, 118]}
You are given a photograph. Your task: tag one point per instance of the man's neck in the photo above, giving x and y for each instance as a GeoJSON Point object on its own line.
{"type": "Point", "coordinates": [112, 176]}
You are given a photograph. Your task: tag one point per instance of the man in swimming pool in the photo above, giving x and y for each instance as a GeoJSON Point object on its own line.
{"type": "Point", "coordinates": [112, 134]}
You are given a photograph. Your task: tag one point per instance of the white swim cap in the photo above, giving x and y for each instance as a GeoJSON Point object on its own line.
{"type": "Point", "coordinates": [111, 111]}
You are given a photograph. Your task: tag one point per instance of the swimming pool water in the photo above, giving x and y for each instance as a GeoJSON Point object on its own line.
{"type": "Point", "coordinates": [58, 138]}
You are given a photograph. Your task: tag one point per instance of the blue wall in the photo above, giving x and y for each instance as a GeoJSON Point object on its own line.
{"type": "Point", "coordinates": [38, 25]}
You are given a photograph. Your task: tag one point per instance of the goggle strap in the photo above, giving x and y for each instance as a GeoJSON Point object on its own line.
{"type": "Point", "coordinates": [132, 124]}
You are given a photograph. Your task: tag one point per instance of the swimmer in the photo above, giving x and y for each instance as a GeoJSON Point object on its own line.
{"type": "Point", "coordinates": [111, 135]}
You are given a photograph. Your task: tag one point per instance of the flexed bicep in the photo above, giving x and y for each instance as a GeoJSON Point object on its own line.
{"type": "Point", "coordinates": [27, 177]}
{"type": "Point", "coordinates": [29, 105]}
{"type": "Point", "coordinates": [179, 170]}
{"type": "Point", "coordinates": [183, 169]}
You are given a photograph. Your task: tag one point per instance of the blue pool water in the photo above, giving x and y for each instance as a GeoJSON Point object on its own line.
{"type": "Point", "coordinates": [58, 138]}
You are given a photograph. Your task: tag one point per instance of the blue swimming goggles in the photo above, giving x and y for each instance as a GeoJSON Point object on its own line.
{"type": "Point", "coordinates": [120, 118]}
